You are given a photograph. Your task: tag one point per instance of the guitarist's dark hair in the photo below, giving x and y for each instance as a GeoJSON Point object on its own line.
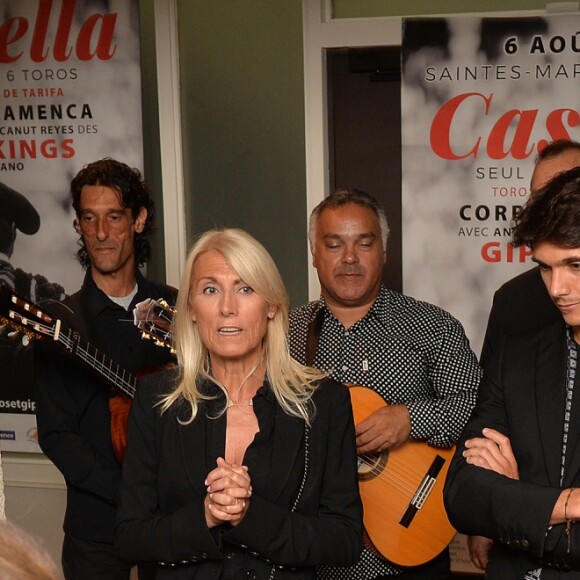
{"type": "Point", "coordinates": [129, 183]}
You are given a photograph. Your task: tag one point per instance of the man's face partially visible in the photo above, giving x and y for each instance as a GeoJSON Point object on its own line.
{"type": "Point", "coordinates": [560, 268]}
{"type": "Point", "coordinates": [548, 168]}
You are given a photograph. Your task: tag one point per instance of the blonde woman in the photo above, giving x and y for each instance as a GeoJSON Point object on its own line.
{"type": "Point", "coordinates": [241, 463]}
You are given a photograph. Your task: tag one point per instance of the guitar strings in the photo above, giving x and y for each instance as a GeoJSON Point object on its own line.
{"type": "Point", "coordinates": [398, 476]}
{"type": "Point", "coordinates": [400, 469]}
{"type": "Point", "coordinates": [397, 480]}
{"type": "Point", "coordinates": [128, 385]}
{"type": "Point", "coordinates": [104, 363]}
{"type": "Point", "coordinates": [397, 484]}
{"type": "Point", "coordinates": [407, 471]}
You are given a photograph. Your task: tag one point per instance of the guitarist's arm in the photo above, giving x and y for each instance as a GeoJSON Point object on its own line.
{"type": "Point", "coordinates": [453, 377]}
{"type": "Point", "coordinates": [64, 397]}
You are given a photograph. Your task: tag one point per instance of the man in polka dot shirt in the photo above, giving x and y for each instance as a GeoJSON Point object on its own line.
{"type": "Point", "coordinates": [415, 355]}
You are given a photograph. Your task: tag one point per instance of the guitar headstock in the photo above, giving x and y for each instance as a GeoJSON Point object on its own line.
{"type": "Point", "coordinates": [25, 317]}
{"type": "Point", "coordinates": [154, 319]}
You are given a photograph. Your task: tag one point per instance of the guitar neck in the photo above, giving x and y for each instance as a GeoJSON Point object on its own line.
{"type": "Point", "coordinates": [26, 317]}
{"type": "Point", "coordinates": [116, 375]}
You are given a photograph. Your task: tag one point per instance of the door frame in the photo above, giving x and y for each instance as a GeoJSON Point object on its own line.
{"type": "Point", "coordinates": [167, 53]}
{"type": "Point", "coordinates": [321, 32]}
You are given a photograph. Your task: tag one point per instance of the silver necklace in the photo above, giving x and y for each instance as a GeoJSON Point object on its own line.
{"type": "Point", "coordinates": [232, 403]}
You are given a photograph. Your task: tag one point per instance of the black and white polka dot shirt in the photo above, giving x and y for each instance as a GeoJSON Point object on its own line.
{"type": "Point", "coordinates": [411, 353]}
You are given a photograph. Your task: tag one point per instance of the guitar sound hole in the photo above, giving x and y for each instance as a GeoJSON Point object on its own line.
{"type": "Point", "coordinates": [372, 465]}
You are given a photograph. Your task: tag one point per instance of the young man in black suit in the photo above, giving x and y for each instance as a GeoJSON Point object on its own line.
{"type": "Point", "coordinates": [516, 470]}
{"type": "Point", "coordinates": [523, 301]}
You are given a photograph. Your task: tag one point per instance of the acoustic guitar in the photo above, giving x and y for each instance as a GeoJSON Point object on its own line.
{"type": "Point", "coordinates": [402, 493]}
{"type": "Point", "coordinates": [33, 323]}
{"type": "Point", "coordinates": [401, 489]}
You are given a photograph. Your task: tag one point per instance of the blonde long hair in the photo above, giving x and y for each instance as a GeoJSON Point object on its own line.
{"type": "Point", "coordinates": [291, 382]}
{"type": "Point", "coordinates": [23, 556]}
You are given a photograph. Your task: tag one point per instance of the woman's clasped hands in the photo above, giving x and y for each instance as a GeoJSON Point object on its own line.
{"type": "Point", "coordinates": [229, 488]}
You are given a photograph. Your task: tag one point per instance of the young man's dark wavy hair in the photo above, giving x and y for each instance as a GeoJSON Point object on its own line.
{"type": "Point", "coordinates": [552, 214]}
{"type": "Point", "coordinates": [129, 183]}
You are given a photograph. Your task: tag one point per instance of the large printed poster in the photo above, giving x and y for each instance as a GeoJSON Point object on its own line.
{"type": "Point", "coordinates": [480, 98]}
{"type": "Point", "coordinates": [71, 93]}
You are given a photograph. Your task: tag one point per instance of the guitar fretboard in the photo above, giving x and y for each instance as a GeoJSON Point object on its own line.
{"type": "Point", "coordinates": [101, 363]}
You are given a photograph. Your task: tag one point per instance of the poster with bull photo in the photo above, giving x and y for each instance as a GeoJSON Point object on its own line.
{"type": "Point", "coordinates": [71, 94]}
{"type": "Point", "coordinates": [480, 98]}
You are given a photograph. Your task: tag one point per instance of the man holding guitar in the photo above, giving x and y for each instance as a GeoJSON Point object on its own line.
{"type": "Point", "coordinates": [414, 355]}
{"type": "Point", "coordinates": [76, 427]}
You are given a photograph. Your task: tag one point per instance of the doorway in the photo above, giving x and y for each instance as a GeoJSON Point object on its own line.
{"type": "Point", "coordinates": [364, 134]}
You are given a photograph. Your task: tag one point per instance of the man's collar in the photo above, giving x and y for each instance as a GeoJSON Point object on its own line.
{"type": "Point", "coordinates": [378, 309]}
{"type": "Point", "coordinates": [97, 299]}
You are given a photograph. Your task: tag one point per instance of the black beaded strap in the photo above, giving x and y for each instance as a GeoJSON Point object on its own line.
{"type": "Point", "coordinates": [304, 475]}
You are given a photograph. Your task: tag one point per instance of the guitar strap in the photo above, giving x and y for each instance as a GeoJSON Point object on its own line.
{"type": "Point", "coordinates": [312, 341]}
{"type": "Point", "coordinates": [313, 335]}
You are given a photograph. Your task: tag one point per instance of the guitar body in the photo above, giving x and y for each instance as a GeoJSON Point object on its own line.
{"type": "Point", "coordinates": [119, 407]}
{"type": "Point", "coordinates": [402, 493]}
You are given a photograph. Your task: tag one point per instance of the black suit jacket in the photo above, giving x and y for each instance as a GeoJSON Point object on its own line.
{"type": "Point", "coordinates": [522, 303]}
{"type": "Point", "coordinates": [522, 395]}
{"type": "Point", "coordinates": [161, 514]}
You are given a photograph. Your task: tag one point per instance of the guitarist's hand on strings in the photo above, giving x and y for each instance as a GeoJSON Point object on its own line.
{"type": "Point", "coordinates": [385, 428]}
{"type": "Point", "coordinates": [492, 451]}
{"type": "Point", "coordinates": [229, 488]}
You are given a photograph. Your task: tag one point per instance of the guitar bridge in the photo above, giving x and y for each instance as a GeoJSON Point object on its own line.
{"type": "Point", "coordinates": [423, 491]}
